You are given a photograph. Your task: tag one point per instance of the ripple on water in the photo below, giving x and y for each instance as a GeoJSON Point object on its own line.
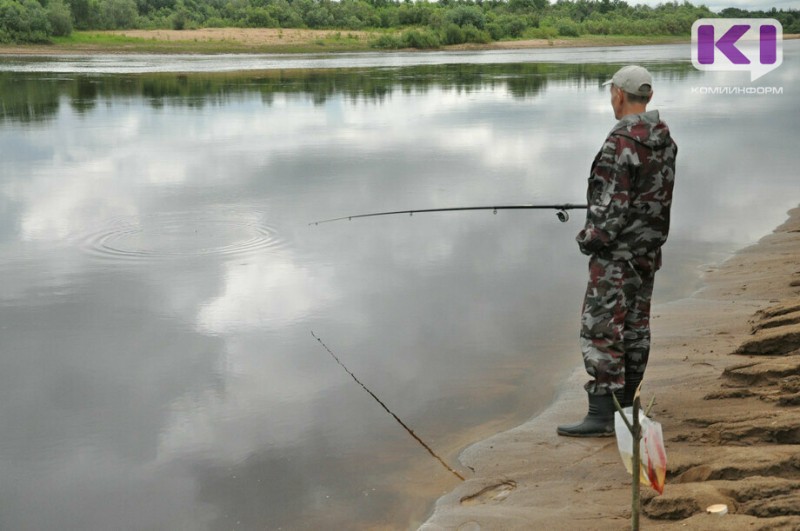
{"type": "Point", "coordinates": [177, 235]}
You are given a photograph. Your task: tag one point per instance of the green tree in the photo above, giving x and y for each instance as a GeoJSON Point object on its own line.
{"type": "Point", "coordinates": [473, 34]}
{"type": "Point", "coordinates": [118, 14]}
{"type": "Point", "coordinates": [319, 17]}
{"type": "Point", "coordinates": [60, 18]}
{"type": "Point", "coordinates": [527, 5]}
{"type": "Point", "coordinates": [507, 26]}
{"type": "Point", "coordinates": [453, 34]}
{"type": "Point", "coordinates": [259, 17]}
{"type": "Point", "coordinates": [23, 21]}
{"type": "Point", "coordinates": [420, 39]}
{"type": "Point", "coordinates": [463, 15]}
{"type": "Point", "coordinates": [80, 13]}
{"type": "Point", "coordinates": [413, 14]}
{"type": "Point", "coordinates": [285, 14]}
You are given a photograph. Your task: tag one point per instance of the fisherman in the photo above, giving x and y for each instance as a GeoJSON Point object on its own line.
{"type": "Point", "coordinates": [629, 196]}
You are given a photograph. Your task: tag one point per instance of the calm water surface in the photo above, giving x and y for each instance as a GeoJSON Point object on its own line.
{"type": "Point", "coordinates": [160, 280]}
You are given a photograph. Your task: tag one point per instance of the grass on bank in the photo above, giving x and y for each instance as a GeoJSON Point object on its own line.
{"type": "Point", "coordinates": [312, 41]}
{"type": "Point", "coordinates": [115, 42]}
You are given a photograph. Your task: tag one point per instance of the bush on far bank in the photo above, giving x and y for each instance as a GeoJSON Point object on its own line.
{"type": "Point", "coordinates": [60, 17]}
{"type": "Point", "coordinates": [22, 22]}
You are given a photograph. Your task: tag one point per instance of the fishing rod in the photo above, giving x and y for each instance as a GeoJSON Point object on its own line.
{"type": "Point", "coordinates": [385, 407]}
{"type": "Point", "coordinates": [561, 211]}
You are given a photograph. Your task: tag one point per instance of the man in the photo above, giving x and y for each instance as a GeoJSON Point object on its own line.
{"type": "Point", "coordinates": [629, 196]}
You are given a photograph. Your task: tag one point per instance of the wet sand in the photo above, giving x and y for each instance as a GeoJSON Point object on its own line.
{"type": "Point", "coordinates": [725, 371]}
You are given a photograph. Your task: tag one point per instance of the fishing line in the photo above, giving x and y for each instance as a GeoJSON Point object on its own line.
{"type": "Point", "coordinates": [378, 400]}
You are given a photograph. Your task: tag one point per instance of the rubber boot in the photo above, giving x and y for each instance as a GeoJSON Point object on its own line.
{"type": "Point", "coordinates": [632, 381]}
{"type": "Point", "coordinates": [599, 422]}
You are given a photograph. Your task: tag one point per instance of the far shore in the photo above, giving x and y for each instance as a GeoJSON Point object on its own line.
{"type": "Point", "coordinates": [275, 40]}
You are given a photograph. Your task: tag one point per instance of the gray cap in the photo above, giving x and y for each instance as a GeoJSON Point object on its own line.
{"type": "Point", "coordinates": [633, 79]}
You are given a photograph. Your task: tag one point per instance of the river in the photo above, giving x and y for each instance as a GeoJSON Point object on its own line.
{"type": "Point", "coordinates": [162, 276]}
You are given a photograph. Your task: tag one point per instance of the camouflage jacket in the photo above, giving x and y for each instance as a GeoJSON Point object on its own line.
{"type": "Point", "coordinates": [630, 192]}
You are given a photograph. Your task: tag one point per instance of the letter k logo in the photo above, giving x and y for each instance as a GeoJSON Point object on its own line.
{"type": "Point", "coordinates": [726, 44]}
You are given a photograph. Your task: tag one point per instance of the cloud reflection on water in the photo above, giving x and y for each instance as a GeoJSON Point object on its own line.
{"type": "Point", "coordinates": [190, 386]}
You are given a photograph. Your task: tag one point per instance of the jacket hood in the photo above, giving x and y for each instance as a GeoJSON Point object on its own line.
{"type": "Point", "coordinates": [645, 128]}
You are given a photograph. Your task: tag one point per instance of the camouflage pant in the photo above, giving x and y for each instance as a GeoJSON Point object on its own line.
{"type": "Point", "coordinates": [615, 323]}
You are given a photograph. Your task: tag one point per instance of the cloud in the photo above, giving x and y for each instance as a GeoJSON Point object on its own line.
{"type": "Point", "coordinates": [269, 291]}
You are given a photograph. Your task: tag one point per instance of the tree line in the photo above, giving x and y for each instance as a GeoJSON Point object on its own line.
{"type": "Point", "coordinates": [407, 23]}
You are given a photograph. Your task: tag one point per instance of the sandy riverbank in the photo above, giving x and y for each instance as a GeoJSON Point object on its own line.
{"type": "Point", "coordinates": [725, 370]}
